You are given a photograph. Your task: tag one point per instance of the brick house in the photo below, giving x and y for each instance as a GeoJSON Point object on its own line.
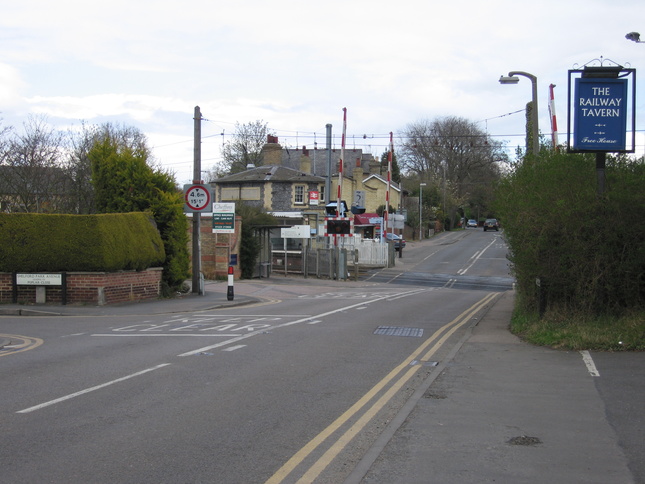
{"type": "Point", "coordinates": [283, 184]}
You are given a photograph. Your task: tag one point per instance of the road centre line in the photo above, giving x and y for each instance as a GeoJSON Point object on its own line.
{"type": "Point", "coordinates": [298, 321]}
{"type": "Point", "coordinates": [475, 258]}
{"type": "Point", "coordinates": [314, 471]}
{"type": "Point", "coordinates": [88, 390]}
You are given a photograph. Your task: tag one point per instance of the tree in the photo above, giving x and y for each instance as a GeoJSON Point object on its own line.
{"type": "Point", "coordinates": [249, 244]}
{"type": "Point", "coordinates": [396, 172]}
{"type": "Point", "coordinates": [456, 156]}
{"type": "Point", "coordinates": [125, 181]}
{"type": "Point", "coordinates": [32, 167]}
{"type": "Point", "coordinates": [243, 149]}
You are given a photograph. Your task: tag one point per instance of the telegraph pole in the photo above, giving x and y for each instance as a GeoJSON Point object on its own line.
{"type": "Point", "coordinates": [197, 175]}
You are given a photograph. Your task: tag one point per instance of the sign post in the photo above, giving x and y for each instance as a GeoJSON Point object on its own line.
{"type": "Point", "coordinates": [197, 200]}
{"type": "Point", "coordinates": [601, 105]}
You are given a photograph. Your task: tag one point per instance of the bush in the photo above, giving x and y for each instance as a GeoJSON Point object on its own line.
{"type": "Point", "coordinates": [586, 250]}
{"type": "Point", "coordinates": [54, 243]}
{"type": "Point", "coordinates": [249, 243]}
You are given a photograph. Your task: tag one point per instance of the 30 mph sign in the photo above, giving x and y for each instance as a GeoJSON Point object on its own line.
{"type": "Point", "coordinates": [198, 198]}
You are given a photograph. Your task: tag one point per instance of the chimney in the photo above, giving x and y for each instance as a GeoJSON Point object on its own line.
{"type": "Point", "coordinates": [272, 152]}
{"type": "Point", "coordinates": [358, 174]}
{"type": "Point", "coordinates": [305, 161]}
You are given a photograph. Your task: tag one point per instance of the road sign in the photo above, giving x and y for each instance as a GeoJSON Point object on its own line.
{"type": "Point", "coordinates": [223, 218]}
{"type": "Point", "coordinates": [296, 232]}
{"type": "Point", "coordinates": [197, 198]}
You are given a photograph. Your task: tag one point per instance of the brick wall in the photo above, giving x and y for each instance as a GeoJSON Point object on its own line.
{"type": "Point", "coordinates": [92, 288]}
{"type": "Point", "coordinates": [217, 248]}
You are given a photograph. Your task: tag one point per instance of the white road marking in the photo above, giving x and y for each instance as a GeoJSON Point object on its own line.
{"type": "Point", "coordinates": [130, 335]}
{"type": "Point", "coordinates": [591, 366]}
{"type": "Point", "coordinates": [88, 390]}
{"type": "Point", "coordinates": [233, 348]}
{"type": "Point", "coordinates": [298, 321]}
{"type": "Point", "coordinates": [475, 258]}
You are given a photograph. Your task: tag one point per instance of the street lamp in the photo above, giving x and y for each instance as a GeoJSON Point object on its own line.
{"type": "Point", "coordinates": [421, 185]}
{"type": "Point", "coordinates": [534, 133]}
{"type": "Point", "coordinates": [635, 36]}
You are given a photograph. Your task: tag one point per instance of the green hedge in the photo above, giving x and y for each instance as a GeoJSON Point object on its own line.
{"type": "Point", "coordinates": [32, 242]}
{"type": "Point", "coordinates": [587, 250]}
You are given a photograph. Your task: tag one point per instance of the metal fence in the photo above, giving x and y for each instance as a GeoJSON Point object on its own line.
{"type": "Point", "coordinates": [336, 262]}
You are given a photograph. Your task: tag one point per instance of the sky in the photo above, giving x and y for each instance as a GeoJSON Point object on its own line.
{"type": "Point", "coordinates": [295, 65]}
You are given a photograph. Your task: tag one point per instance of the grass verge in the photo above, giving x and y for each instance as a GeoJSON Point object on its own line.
{"type": "Point", "coordinates": [578, 332]}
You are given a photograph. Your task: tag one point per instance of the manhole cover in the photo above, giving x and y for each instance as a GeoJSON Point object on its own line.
{"type": "Point", "coordinates": [399, 331]}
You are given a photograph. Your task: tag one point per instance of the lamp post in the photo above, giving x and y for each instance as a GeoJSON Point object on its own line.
{"type": "Point", "coordinates": [635, 37]}
{"type": "Point", "coordinates": [534, 132]}
{"type": "Point", "coordinates": [421, 185]}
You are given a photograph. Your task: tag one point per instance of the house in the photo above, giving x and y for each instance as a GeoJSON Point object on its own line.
{"type": "Point", "coordinates": [287, 193]}
{"type": "Point", "coordinates": [291, 183]}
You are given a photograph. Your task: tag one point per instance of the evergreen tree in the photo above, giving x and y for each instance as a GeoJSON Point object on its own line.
{"type": "Point", "coordinates": [124, 181]}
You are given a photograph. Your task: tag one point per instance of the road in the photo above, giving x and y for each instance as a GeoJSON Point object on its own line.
{"type": "Point", "coordinates": [299, 386]}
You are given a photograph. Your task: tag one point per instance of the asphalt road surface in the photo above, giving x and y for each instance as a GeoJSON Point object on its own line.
{"type": "Point", "coordinates": [295, 388]}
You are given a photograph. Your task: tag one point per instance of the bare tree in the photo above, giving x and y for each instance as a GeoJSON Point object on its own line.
{"type": "Point", "coordinates": [456, 156]}
{"type": "Point", "coordinates": [35, 180]}
{"type": "Point", "coordinates": [79, 170]}
{"type": "Point", "coordinates": [243, 149]}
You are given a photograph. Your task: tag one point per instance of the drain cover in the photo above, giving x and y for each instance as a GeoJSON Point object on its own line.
{"type": "Point", "coordinates": [399, 331]}
{"type": "Point", "coordinates": [524, 440]}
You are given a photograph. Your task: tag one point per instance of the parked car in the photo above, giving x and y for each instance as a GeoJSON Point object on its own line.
{"type": "Point", "coordinates": [471, 223]}
{"type": "Point", "coordinates": [491, 224]}
{"type": "Point", "coordinates": [399, 242]}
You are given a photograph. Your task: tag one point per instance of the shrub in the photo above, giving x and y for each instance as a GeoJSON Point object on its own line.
{"type": "Point", "coordinates": [586, 250]}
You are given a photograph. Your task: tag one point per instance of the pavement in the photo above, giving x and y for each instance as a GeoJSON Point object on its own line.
{"type": "Point", "coordinates": [501, 410]}
{"type": "Point", "coordinates": [496, 410]}
{"type": "Point", "coordinates": [214, 297]}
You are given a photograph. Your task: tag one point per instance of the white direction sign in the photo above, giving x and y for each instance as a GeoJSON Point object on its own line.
{"type": "Point", "coordinates": [296, 232]}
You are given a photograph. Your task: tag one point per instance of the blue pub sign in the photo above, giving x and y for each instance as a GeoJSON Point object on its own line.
{"type": "Point", "coordinates": [600, 114]}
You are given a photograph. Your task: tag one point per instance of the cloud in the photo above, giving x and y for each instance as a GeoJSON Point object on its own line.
{"type": "Point", "coordinates": [11, 85]}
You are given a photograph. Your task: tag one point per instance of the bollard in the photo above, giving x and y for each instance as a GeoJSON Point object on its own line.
{"type": "Point", "coordinates": [230, 292]}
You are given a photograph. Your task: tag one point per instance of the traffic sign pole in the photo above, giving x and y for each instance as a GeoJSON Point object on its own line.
{"type": "Point", "coordinates": [197, 175]}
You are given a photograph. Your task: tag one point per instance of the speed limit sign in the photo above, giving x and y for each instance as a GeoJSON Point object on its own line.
{"type": "Point", "coordinates": [198, 198]}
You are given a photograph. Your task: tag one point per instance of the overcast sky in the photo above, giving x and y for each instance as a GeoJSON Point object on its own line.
{"type": "Point", "coordinates": [296, 64]}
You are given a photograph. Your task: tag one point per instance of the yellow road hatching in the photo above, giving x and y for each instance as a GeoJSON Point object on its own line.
{"type": "Point", "coordinates": [17, 344]}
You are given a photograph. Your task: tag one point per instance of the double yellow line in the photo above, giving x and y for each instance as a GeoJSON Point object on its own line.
{"type": "Point", "coordinates": [430, 347]}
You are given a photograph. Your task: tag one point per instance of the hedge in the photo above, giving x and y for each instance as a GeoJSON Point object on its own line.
{"type": "Point", "coordinates": [33, 242]}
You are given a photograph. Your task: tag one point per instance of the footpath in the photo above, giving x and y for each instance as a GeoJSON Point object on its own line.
{"type": "Point", "coordinates": [500, 410]}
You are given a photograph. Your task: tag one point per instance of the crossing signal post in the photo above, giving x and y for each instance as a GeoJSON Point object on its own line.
{"type": "Point", "coordinates": [339, 226]}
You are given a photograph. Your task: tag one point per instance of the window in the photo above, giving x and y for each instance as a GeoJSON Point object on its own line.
{"type": "Point", "coordinates": [300, 194]}
{"type": "Point", "coordinates": [230, 193]}
{"type": "Point", "coordinates": [250, 193]}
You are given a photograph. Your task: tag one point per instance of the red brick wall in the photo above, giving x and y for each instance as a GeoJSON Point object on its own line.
{"type": "Point", "coordinates": [216, 248]}
{"type": "Point", "coordinates": [92, 288]}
